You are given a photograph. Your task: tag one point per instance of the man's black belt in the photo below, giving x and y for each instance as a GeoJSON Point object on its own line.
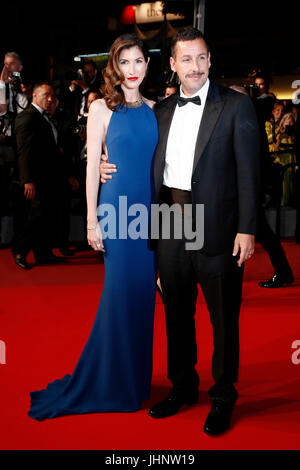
{"type": "Point", "coordinates": [175, 196]}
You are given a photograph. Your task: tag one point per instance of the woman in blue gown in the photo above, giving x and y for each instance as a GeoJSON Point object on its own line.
{"type": "Point", "coordinates": [114, 371]}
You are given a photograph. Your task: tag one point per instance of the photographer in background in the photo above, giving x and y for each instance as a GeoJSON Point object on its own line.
{"type": "Point", "coordinates": [86, 79]}
{"type": "Point", "coordinates": [15, 97]}
{"type": "Point", "coordinates": [11, 76]}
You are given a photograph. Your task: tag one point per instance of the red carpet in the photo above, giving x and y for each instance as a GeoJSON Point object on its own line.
{"type": "Point", "coordinates": [46, 315]}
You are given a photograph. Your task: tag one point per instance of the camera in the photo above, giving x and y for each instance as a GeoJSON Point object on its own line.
{"type": "Point", "coordinates": [80, 74]}
{"type": "Point", "coordinates": [16, 80]}
{"type": "Point", "coordinates": [77, 73]}
{"type": "Point", "coordinates": [80, 126]}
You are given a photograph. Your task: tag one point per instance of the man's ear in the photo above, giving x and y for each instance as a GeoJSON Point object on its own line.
{"type": "Point", "coordinates": [172, 64]}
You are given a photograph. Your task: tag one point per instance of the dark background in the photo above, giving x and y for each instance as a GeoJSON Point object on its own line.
{"type": "Point", "coordinates": [244, 36]}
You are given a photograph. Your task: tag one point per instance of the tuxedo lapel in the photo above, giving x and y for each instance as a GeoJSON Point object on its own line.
{"type": "Point", "coordinates": [212, 110]}
{"type": "Point", "coordinates": [164, 122]}
{"type": "Point", "coordinates": [43, 122]}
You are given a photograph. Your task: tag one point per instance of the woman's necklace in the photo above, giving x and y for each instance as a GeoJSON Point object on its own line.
{"type": "Point", "coordinates": [135, 104]}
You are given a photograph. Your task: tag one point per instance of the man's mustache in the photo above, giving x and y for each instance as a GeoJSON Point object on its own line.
{"type": "Point", "coordinates": [195, 75]}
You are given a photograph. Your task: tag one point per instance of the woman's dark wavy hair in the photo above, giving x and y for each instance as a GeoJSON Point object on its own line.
{"type": "Point", "coordinates": [113, 78]}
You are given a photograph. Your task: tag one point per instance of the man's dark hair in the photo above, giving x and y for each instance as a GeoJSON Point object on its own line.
{"type": "Point", "coordinates": [186, 34]}
{"type": "Point", "coordinates": [90, 62]}
{"type": "Point", "coordinates": [40, 84]}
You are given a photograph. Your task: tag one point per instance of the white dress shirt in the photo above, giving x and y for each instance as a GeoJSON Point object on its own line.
{"type": "Point", "coordinates": [182, 141]}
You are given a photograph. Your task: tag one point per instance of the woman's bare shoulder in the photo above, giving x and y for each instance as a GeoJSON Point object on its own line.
{"type": "Point", "coordinates": [99, 112]}
{"type": "Point", "coordinates": [99, 106]}
{"type": "Point", "coordinates": [150, 103]}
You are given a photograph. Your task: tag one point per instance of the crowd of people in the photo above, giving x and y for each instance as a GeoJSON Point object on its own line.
{"type": "Point", "coordinates": [66, 174]}
{"type": "Point", "coordinates": [37, 191]}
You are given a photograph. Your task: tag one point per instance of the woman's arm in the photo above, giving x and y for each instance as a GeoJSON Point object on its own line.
{"type": "Point", "coordinates": [96, 126]}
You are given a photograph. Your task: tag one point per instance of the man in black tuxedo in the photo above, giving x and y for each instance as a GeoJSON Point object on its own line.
{"type": "Point", "coordinates": [208, 153]}
{"type": "Point", "coordinates": [41, 174]}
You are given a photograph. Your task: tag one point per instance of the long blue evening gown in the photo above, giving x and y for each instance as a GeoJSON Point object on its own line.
{"type": "Point", "coordinates": [114, 370]}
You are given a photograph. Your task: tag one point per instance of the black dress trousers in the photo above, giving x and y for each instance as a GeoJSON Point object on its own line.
{"type": "Point", "coordinates": [220, 278]}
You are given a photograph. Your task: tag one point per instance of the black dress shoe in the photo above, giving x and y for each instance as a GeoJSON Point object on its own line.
{"type": "Point", "coordinates": [21, 262]}
{"type": "Point", "coordinates": [171, 405]}
{"type": "Point", "coordinates": [218, 419]}
{"type": "Point", "coordinates": [277, 281]}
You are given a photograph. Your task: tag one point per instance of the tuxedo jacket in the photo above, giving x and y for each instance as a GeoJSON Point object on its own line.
{"type": "Point", "coordinates": [40, 159]}
{"type": "Point", "coordinates": [225, 175]}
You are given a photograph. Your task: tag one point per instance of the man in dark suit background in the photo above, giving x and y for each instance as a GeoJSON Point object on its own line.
{"type": "Point", "coordinates": [208, 153]}
{"type": "Point", "coordinates": [41, 174]}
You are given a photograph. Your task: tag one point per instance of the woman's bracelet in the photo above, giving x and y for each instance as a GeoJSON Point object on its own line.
{"type": "Point", "coordinates": [92, 228]}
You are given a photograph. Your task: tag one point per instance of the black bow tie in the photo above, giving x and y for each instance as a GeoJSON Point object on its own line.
{"type": "Point", "coordinates": [182, 101]}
